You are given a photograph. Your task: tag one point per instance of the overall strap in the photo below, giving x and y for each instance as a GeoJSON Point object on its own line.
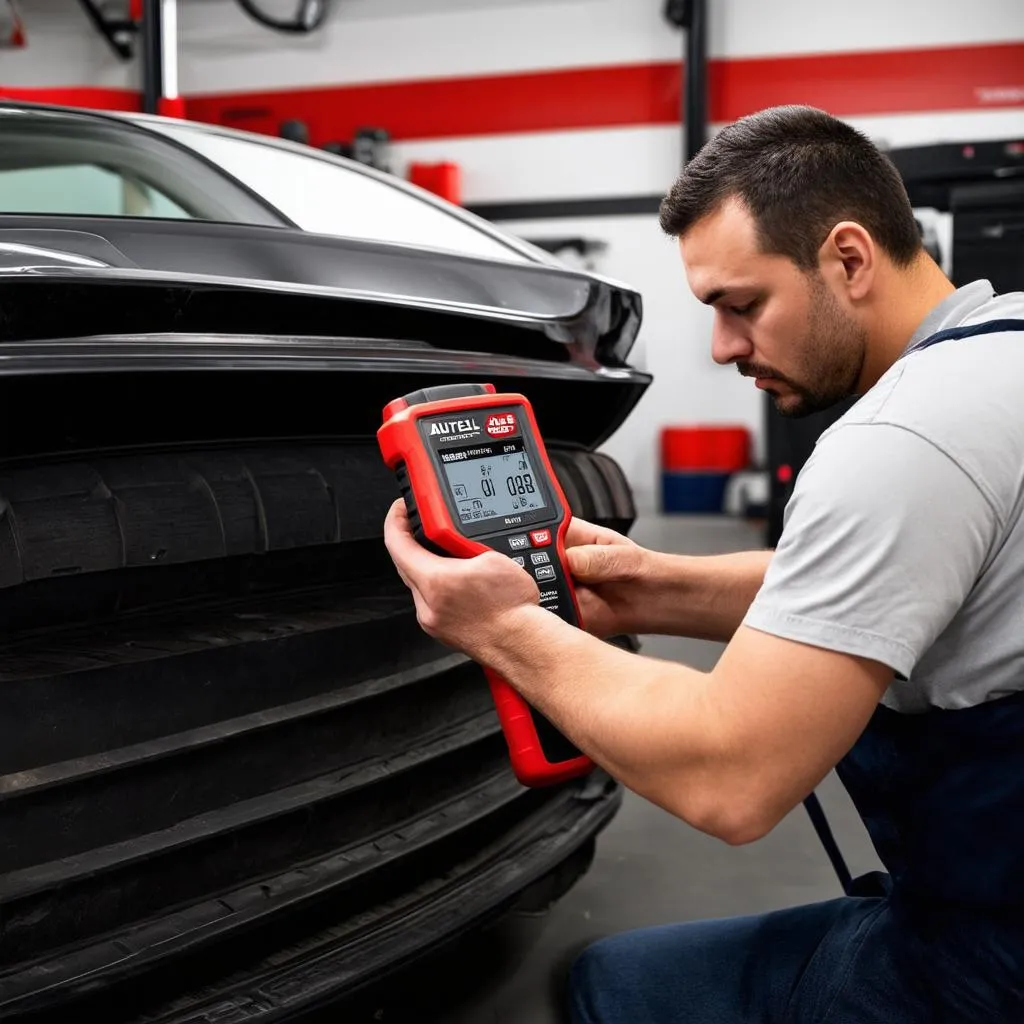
{"type": "Point", "coordinates": [953, 333]}
{"type": "Point", "coordinates": [867, 884]}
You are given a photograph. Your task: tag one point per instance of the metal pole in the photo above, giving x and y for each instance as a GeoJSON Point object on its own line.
{"type": "Point", "coordinates": [152, 55]}
{"type": "Point", "coordinates": [169, 59]}
{"type": "Point", "coordinates": [695, 65]}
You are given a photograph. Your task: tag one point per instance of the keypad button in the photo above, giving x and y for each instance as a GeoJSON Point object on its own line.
{"type": "Point", "coordinates": [540, 538]}
{"type": "Point", "coordinates": [518, 542]}
{"type": "Point", "coordinates": [519, 560]}
{"type": "Point", "coordinates": [545, 572]}
{"type": "Point", "coordinates": [540, 558]}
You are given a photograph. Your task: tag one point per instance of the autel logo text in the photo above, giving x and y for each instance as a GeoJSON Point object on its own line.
{"type": "Point", "coordinates": [454, 427]}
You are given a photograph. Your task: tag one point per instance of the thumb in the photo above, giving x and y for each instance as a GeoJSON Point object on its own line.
{"type": "Point", "coordinates": [597, 563]}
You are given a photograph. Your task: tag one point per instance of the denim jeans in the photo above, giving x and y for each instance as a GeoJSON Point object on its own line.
{"type": "Point", "coordinates": [836, 962]}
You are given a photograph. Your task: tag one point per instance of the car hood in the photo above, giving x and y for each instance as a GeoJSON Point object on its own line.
{"type": "Point", "coordinates": [515, 308]}
{"type": "Point", "coordinates": [109, 328]}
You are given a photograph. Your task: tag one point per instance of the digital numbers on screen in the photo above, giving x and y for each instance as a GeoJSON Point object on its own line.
{"type": "Point", "coordinates": [492, 480]}
{"type": "Point", "coordinates": [520, 484]}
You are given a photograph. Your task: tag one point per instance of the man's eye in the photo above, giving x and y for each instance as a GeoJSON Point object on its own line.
{"type": "Point", "coordinates": [741, 310]}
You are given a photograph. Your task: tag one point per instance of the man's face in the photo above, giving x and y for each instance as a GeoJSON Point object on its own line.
{"type": "Point", "coordinates": [778, 324]}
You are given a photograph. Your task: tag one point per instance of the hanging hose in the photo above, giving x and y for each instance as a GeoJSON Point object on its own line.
{"type": "Point", "coordinates": [309, 16]}
{"type": "Point", "coordinates": [817, 815]}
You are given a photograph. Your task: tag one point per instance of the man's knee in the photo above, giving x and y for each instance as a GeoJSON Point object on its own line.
{"type": "Point", "coordinates": [583, 976]}
{"type": "Point", "coordinates": [599, 983]}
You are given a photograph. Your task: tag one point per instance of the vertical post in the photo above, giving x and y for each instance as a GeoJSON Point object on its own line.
{"type": "Point", "coordinates": [692, 17]}
{"type": "Point", "coordinates": [152, 55]}
{"type": "Point", "coordinates": [171, 103]}
{"type": "Point", "coordinates": [695, 66]}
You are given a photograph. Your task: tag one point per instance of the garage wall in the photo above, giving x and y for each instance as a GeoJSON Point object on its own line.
{"type": "Point", "coordinates": [387, 40]}
{"type": "Point", "coordinates": [528, 63]}
{"type": "Point", "coordinates": [64, 51]}
{"type": "Point", "coordinates": [497, 84]}
{"type": "Point", "coordinates": [674, 344]}
{"type": "Point", "coordinates": [546, 100]}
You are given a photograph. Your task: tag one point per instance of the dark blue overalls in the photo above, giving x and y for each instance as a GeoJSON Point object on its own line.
{"type": "Point", "coordinates": [938, 939]}
{"type": "Point", "coordinates": [942, 797]}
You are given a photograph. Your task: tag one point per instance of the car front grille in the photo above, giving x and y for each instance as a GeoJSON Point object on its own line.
{"type": "Point", "coordinates": [220, 719]}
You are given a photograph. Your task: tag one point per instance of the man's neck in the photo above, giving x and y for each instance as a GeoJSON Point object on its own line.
{"type": "Point", "coordinates": [911, 294]}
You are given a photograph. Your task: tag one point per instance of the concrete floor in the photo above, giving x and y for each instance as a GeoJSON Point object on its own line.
{"type": "Point", "coordinates": [650, 868]}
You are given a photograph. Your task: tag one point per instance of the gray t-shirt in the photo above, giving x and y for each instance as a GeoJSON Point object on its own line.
{"type": "Point", "coordinates": [904, 538]}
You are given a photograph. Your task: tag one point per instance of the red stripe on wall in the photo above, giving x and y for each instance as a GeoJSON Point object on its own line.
{"type": "Point", "coordinates": [437, 108]}
{"type": "Point", "coordinates": [77, 96]}
{"type": "Point", "coordinates": [893, 82]}
{"type": "Point", "coordinates": [846, 84]}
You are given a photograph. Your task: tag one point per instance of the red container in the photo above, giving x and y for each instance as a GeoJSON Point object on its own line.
{"type": "Point", "coordinates": [444, 179]}
{"type": "Point", "coordinates": [725, 449]}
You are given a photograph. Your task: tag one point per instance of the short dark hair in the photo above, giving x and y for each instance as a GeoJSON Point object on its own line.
{"type": "Point", "coordinates": [799, 171]}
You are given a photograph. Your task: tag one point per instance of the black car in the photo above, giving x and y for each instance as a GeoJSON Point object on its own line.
{"type": "Point", "coordinates": [236, 779]}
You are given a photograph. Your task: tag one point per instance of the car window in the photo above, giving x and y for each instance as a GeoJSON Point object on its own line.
{"type": "Point", "coordinates": [327, 197]}
{"type": "Point", "coordinates": [83, 189]}
{"type": "Point", "coordinates": [67, 164]}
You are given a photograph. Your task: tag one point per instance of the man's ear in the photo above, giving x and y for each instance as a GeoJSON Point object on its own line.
{"type": "Point", "coordinates": [850, 257]}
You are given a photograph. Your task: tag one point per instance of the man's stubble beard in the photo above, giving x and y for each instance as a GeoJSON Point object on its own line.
{"type": "Point", "coordinates": [833, 350]}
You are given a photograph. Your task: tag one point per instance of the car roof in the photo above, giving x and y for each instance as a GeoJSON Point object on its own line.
{"type": "Point", "coordinates": [152, 123]}
{"type": "Point", "coordinates": [390, 180]}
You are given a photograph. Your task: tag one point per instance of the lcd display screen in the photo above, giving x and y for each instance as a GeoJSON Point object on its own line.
{"type": "Point", "coordinates": [489, 481]}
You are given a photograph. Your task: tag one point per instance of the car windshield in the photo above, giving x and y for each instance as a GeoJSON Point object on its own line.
{"type": "Point", "coordinates": [67, 164]}
{"type": "Point", "coordinates": [322, 194]}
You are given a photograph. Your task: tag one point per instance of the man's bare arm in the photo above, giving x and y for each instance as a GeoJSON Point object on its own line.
{"type": "Point", "coordinates": [730, 751]}
{"type": "Point", "coordinates": [624, 588]}
{"type": "Point", "coordinates": [702, 596]}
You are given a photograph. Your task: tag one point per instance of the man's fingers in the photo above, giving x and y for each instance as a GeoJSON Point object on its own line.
{"type": "Point", "coordinates": [601, 563]}
{"type": "Point", "coordinates": [579, 562]}
{"type": "Point", "coordinates": [579, 532]}
{"type": "Point", "coordinates": [587, 562]}
{"type": "Point", "coordinates": [582, 532]}
{"type": "Point", "coordinates": [410, 558]}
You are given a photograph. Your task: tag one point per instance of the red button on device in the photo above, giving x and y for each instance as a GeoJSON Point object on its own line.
{"type": "Point", "coordinates": [540, 538]}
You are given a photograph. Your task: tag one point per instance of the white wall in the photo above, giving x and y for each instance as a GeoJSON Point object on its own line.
{"type": "Point", "coordinates": [63, 50]}
{"type": "Point", "coordinates": [382, 40]}
{"type": "Point", "coordinates": [394, 40]}
{"type": "Point", "coordinates": [365, 41]}
{"type": "Point", "coordinates": [688, 386]}
{"type": "Point", "coordinates": [600, 162]}
{"type": "Point", "coordinates": [674, 344]}
{"type": "Point", "coordinates": [385, 40]}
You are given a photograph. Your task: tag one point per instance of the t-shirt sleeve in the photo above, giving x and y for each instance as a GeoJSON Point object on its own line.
{"type": "Point", "coordinates": [883, 539]}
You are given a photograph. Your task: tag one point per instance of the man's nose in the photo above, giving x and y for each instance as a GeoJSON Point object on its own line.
{"type": "Point", "coordinates": [728, 345]}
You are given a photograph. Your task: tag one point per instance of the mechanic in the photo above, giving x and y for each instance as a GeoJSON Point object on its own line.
{"type": "Point", "coordinates": [883, 636]}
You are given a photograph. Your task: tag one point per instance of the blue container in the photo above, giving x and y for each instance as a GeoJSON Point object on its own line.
{"type": "Point", "coordinates": [700, 492]}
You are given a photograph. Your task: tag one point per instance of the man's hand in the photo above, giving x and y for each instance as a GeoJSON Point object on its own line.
{"type": "Point", "coordinates": [608, 570]}
{"type": "Point", "coordinates": [463, 602]}
{"type": "Point", "coordinates": [624, 588]}
{"type": "Point", "coordinates": [730, 751]}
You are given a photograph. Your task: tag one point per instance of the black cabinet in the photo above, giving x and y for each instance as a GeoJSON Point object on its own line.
{"type": "Point", "coordinates": [789, 443]}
